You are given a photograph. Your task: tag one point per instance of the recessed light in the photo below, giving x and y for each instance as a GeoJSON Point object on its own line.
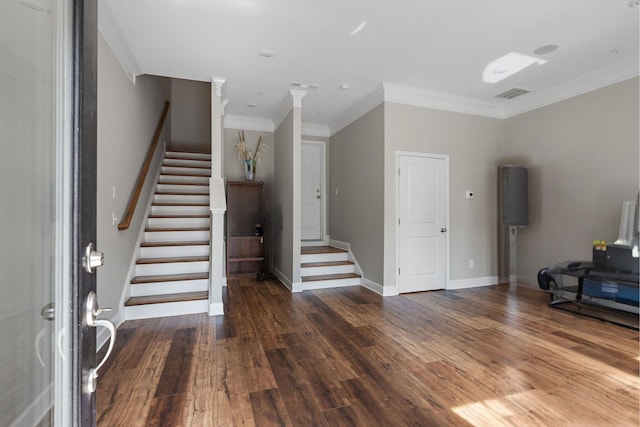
{"type": "Point", "coordinates": [345, 86]}
{"type": "Point", "coordinates": [252, 104]}
{"type": "Point", "coordinates": [543, 50]}
{"type": "Point", "coordinates": [634, 3]}
{"type": "Point", "coordinates": [267, 54]}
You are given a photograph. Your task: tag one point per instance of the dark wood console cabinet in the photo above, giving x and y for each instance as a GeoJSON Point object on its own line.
{"type": "Point", "coordinates": [244, 230]}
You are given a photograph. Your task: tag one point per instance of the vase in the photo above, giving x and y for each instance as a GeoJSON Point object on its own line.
{"type": "Point", "coordinates": [250, 170]}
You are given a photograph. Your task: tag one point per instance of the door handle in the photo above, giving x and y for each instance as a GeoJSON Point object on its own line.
{"type": "Point", "coordinates": [48, 312]}
{"type": "Point", "coordinates": [443, 229]}
{"type": "Point", "coordinates": [91, 313]}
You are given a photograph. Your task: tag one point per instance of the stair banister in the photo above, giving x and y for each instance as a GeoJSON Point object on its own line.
{"type": "Point", "coordinates": [135, 195]}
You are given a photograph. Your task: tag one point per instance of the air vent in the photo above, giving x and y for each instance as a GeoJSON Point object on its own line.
{"type": "Point", "coordinates": [512, 93]}
{"type": "Point", "coordinates": [305, 86]}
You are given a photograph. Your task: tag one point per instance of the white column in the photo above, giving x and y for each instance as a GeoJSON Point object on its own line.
{"type": "Point", "coordinates": [217, 125]}
{"type": "Point", "coordinates": [217, 201]}
{"type": "Point", "coordinates": [297, 96]}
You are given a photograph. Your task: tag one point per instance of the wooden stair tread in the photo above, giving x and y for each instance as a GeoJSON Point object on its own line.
{"type": "Point", "coordinates": [186, 166]}
{"type": "Point", "coordinates": [184, 174]}
{"type": "Point", "coordinates": [157, 244]}
{"type": "Point", "coordinates": [183, 183]}
{"type": "Point", "coordinates": [331, 277]}
{"type": "Point", "coordinates": [172, 259]}
{"type": "Point", "coordinates": [169, 278]}
{"type": "Point", "coordinates": [158, 299]}
{"type": "Point", "coordinates": [248, 258]}
{"type": "Point", "coordinates": [156, 216]}
{"type": "Point", "coordinates": [325, 264]}
{"type": "Point", "coordinates": [172, 151]}
{"type": "Point", "coordinates": [160, 230]}
{"type": "Point", "coordinates": [309, 250]}
{"type": "Point", "coordinates": [180, 204]}
{"type": "Point", "coordinates": [175, 193]}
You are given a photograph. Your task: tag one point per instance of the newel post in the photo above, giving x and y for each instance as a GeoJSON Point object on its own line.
{"type": "Point", "coordinates": [217, 201]}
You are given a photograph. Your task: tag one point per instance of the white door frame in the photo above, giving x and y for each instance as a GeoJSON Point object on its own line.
{"type": "Point", "coordinates": [444, 157]}
{"type": "Point", "coordinates": [323, 195]}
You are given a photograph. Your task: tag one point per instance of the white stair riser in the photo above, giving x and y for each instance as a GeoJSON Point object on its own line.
{"type": "Point", "coordinates": [326, 284]}
{"type": "Point", "coordinates": [181, 198]}
{"type": "Point", "coordinates": [187, 171]}
{"type": "Point", "coordinates": [184, 189]}
{"type": "Point", "coordinates": [187, 162]}
{"type": "Point", "coordinates": [178, 222]}
{"type": "Point", "coordinates": [174, 251]}
{"type": "Point", "coordinates": [192, 156]}
{"type": "Point", "coordinates": [180, 210]}
{"type": "Point", "coordinates": [331, 257]}
{"type": "Point", "coordinates": [204, 180]}
{"type": "Point", "coordinates": [176, 236]}
{"type": "Point", "coordinates": [172, 268]}
{"type": "Point", "coordinates": [150, 311]}
{"type": "Point", "coordinates": [333, 269]}
{"type": "Point", "coordinates": [164, 288]}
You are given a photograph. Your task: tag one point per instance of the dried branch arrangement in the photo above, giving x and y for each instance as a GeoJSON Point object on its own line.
{"type": "Point", "coordinates": [242, 151]}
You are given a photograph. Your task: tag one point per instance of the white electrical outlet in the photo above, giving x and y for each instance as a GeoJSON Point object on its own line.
{"type": "Point", "coordinates": [114, 218]}
{"type": "Point", "coordinates": [471, 263]}
{"type": "Point", "coordinates": [113, 193]}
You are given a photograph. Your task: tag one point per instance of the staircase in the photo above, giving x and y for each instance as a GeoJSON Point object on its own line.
{"type": "Point", "coordinates": [172, 268]}
{"type": "Point", "coordinates": [327, 267]}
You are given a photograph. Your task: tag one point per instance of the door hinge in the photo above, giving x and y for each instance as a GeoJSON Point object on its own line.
{"type": "Point", "coordinates": [398, 272]}
{"type": "Point", "coordinates": [398, 221]}
{"type": "Point", "coordinates": [398, 171]}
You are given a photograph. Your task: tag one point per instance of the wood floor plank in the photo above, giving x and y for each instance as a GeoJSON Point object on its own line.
{"type": "Point", "coordinates": [491, 356]}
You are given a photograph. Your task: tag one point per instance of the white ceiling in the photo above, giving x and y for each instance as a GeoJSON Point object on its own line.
{"type": "Point", "coordinates": [438, 46]}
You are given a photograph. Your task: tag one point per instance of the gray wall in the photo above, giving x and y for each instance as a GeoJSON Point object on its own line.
{"type": "Point", "coordinates": [190, 115]}
{"type": "Point", "coordinates": [473, 145]}
{"type": "Point", "coordinates": [357, 171]}
{"type": "Point", "coordinates": [582, 155]}
{"type": "Point", "coordinates": [127, 118]}
{"type": "Point", "coordinates": [234, 171]}
{"type": "Point", "coordinates": [282, 218]}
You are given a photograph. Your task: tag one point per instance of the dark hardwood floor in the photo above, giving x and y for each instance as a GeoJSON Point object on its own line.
{"type": "Point", "coordinates": [347, 357]}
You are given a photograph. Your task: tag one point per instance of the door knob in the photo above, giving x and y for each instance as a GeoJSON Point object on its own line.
{"type": "Point", "coordinates": [92, 258]}
{"type": "Point", "coordinates": [48, 312]}
{"type": "Point", "coordinates": [91, 312]}
{"type": "Point", "coordinates": [443, 229]}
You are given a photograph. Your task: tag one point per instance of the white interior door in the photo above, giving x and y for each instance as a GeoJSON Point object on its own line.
{"type": "Point", "coordinates": [312, 212]}
{"type": "Point", "coordinates": [422, 222]}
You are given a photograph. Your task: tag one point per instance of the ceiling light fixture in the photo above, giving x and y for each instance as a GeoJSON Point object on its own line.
{"type": "Point", "coordinates": [508, 65]}
{"type": "Point", "coordinates": [543, 50]}
{"type": "Point", "coordinates": [267, 54]}
{"type": "Point", "coordinates": [358, 28]}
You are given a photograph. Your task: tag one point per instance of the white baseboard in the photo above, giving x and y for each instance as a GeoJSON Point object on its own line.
{"type": "Point", "coordinates": [472, 283]}
{"type": "Point", "coordinates": [340, 245]}
{"type": "Point", "coordinates": [216, 309]}
{"type": "Point", "coordinates": [385, 291]}
{"type": "Point", "coordinates": [310, 243]}
{"type": "Point", "coordinates": [293, 287]}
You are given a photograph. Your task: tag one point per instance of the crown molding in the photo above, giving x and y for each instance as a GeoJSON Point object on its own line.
{"type": "Point", "coordinates": [357, 110]}
{"type": "Point", "coordinates": [248, 123]}
{"type": "Point", "coordinates": [315, 129]}
{"type": "Point", "coordinates": [112, 33]}
{"type": "Point", "coordinates": [442, 101]}
{"type": "Point", "coordinates": [597, 79]}
{"type": "Point", "coordinates": [286, 105]}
